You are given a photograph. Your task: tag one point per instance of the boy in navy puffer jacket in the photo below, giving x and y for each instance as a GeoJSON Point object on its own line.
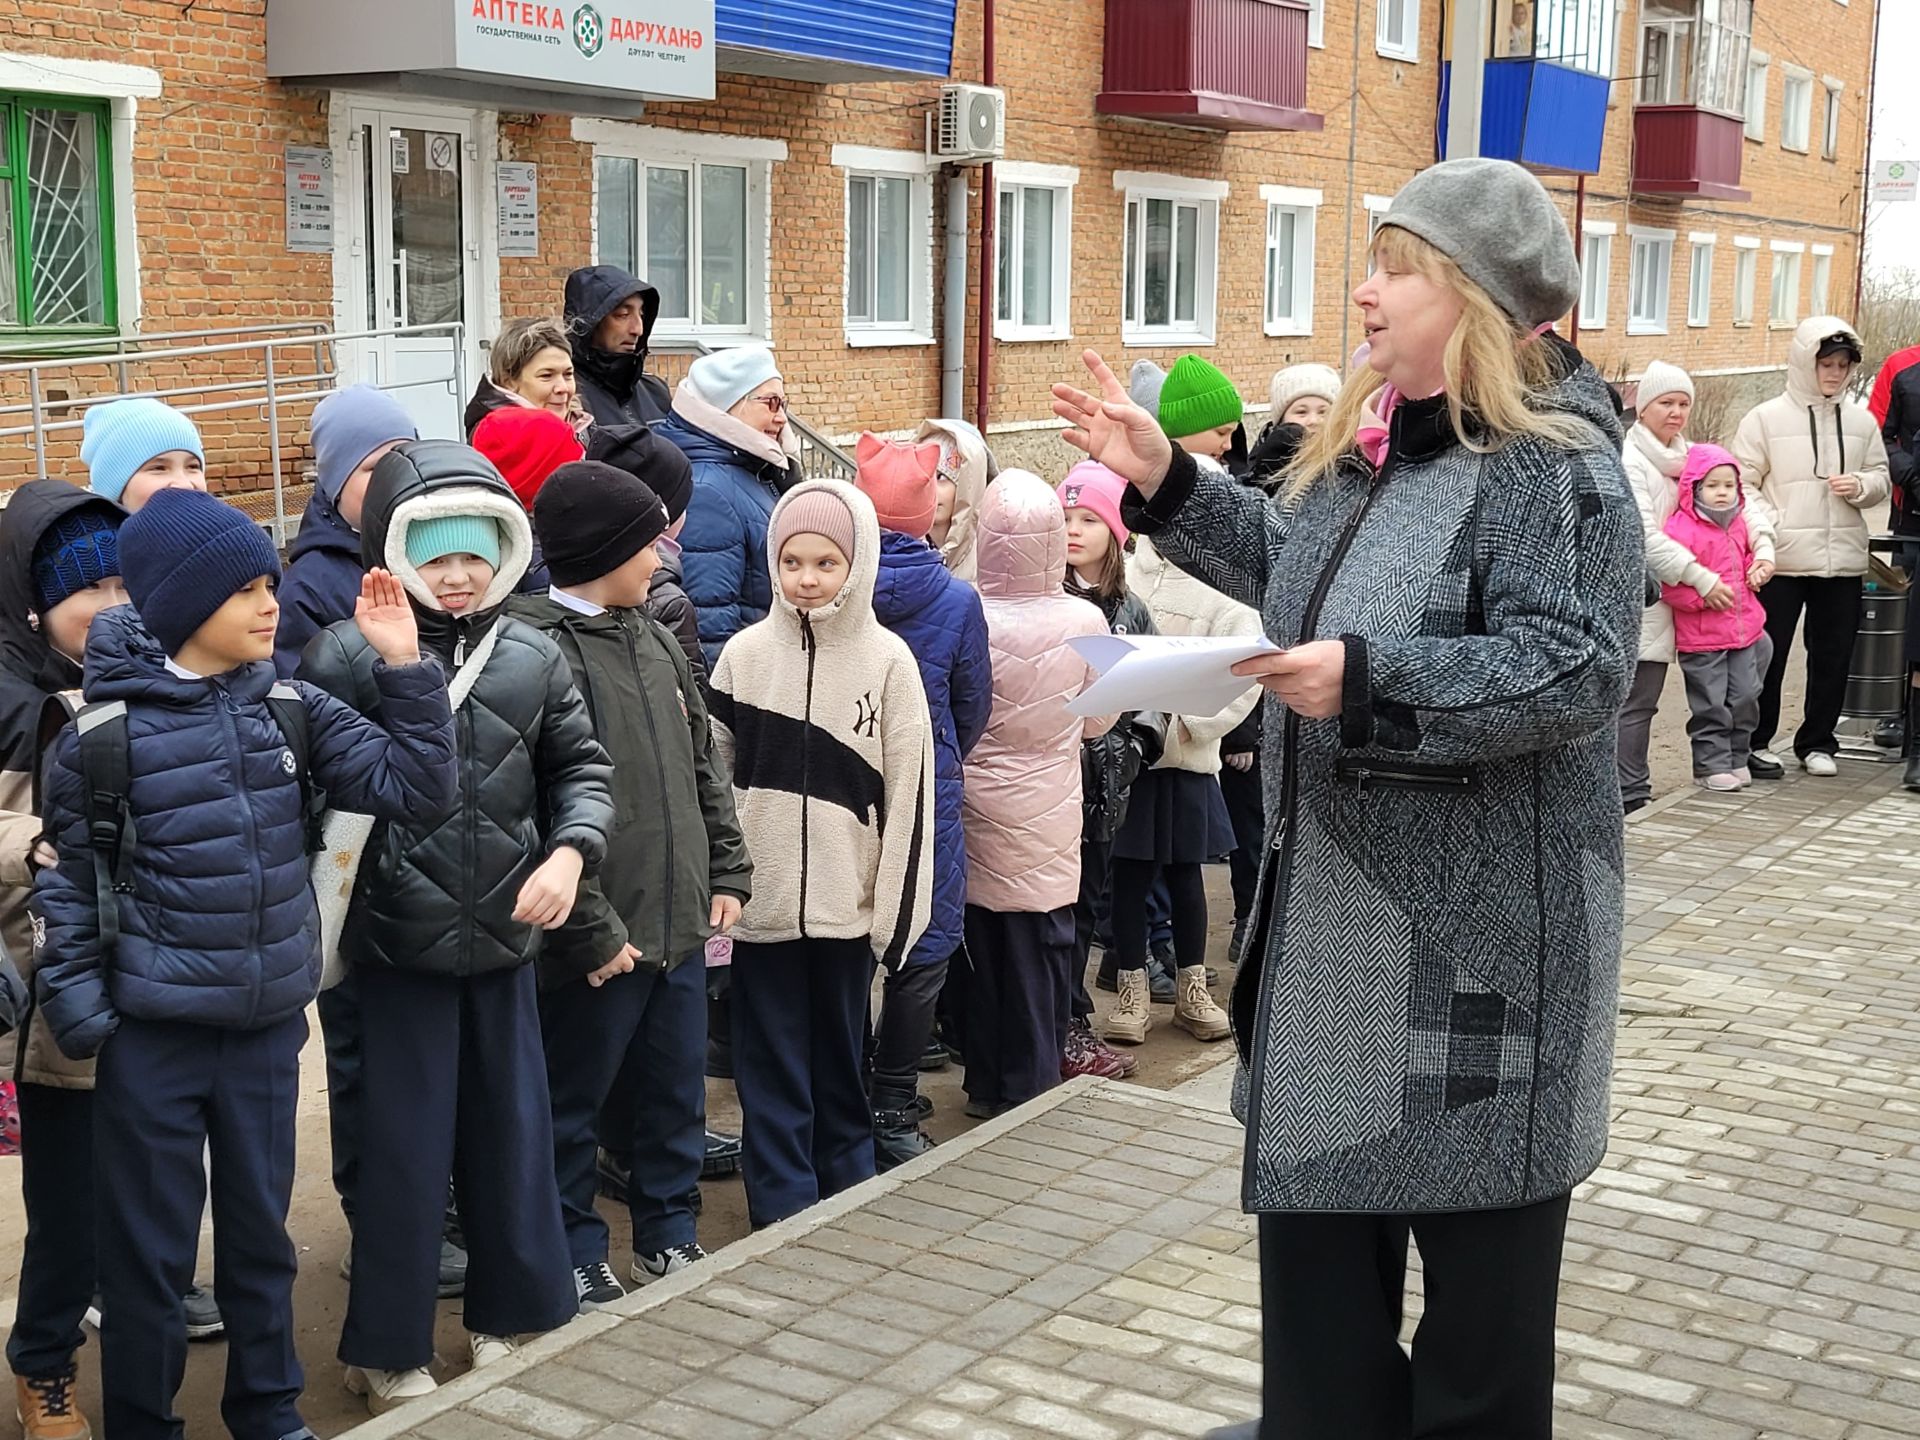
{"type": "Point", "coordinates": [197, 1013]}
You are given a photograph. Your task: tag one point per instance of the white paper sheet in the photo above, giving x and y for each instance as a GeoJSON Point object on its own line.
{"type": "Point", "coordinates": [1177, 674]}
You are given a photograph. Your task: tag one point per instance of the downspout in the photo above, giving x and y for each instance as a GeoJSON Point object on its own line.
{"type": "Point", "coordinates": [1579, 254]}
{"type": "Point", "coordinates": [1866, 172]}
{"type": "Point", "coordinates": [984, 380]}
{"type": "Point", "coordinates": [1353, 155]}
{"type": "Point", "coordinates": [953, 311]}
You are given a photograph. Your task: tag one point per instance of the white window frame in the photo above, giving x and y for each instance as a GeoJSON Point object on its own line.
{"type": "Point", "coordinates": [1787, 260]}
{"type": "Point", "coordinates": [1596, 241]}
{"type": "Point", "coordinates": [1304, 206]}
{"type": "Point", "coordinates": [1137, 187]}
{"type": "Point", "coordinates": [1796, 123]}
{"type": "Point", "coordinates": [1759, 69]}
{"type": "Point", "coordinates": [1317, 24]}
{"type": "Point", "coordinates": [1407, 46]}
{"type": "Point", "coordinates": [1655, 248]}
{"type": "Point", "coordinates": [1011, 178]}
{"type": "Point", "coordinates": [1376, 207]}
{"type": "Point", "coordinates": [1821, 300]}
{"type": "Point", "coordinates": [1700, 243]}
{"type": "Point", "coordinates": [1746, 278]}
{"type": "Point", "coordinates": [866, 162]}
{"type": "Point", "coordinates": [1830, 119]}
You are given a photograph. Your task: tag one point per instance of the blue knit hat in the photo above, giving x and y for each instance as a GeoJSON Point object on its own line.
{"type": "Point", "coordinates": [78, 550]}
{"type": "Point", "coordinates": [123, 435]}
{"type": "Point", "coordinates": [443, 535]}
{"type": "Point", "coordinates": [184, 555]}
{"type": "Point", "coordinates": [350, 425]}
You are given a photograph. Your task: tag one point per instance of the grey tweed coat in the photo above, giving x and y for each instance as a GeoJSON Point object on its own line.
{"type": "Point", "coordinates": [1431, 1027]}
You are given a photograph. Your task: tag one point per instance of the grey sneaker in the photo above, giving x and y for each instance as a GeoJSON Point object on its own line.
{"type": "Point", "coordinates": [671, 1261]}
{"type": "Point", "coordinates": [203, 1315]}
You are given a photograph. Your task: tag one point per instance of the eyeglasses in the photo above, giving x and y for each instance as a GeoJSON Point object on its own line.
{"type": "Point", "coordinates": [774, 403]}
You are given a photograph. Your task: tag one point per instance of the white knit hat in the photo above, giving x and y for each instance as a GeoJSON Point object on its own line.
{"type": "Point", "coordinates": [1662, 379]}
{"type": "Point", "coordinates": [1297, 380]}
{"type": "Point", "coordinates": [726, 377]}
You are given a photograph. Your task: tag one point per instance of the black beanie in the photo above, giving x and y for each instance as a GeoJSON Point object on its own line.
{"type": "Point", "coordinates": [591, 518]}
{"type": "Point", "coordinates": [659, 464]}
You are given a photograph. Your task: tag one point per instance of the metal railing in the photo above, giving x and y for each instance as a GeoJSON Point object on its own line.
{"type": "Point", "coordinates": [820, 458]}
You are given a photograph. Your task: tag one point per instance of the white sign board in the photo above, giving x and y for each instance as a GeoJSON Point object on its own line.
{"type": "Point", "coordinates": [645, 46]}
{"type": "Point", "coordinates": [1895, 180]}
{"type": "Point", "coordinates": [519, 199]}
{"type": "Point", "coordinates": [309, 200]}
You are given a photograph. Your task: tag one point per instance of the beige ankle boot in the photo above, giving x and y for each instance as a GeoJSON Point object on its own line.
{"type": "Point", "coordinates": [1131, 1018]}
{"type": "Point", "coordinates": [1193, 1007]}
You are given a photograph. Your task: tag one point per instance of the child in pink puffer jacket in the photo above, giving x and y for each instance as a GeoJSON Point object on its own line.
{"type": "Point", "coordinates": [1721, 637]}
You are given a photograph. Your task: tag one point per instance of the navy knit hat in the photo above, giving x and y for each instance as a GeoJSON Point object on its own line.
{"type": "Point", "coordinates": [78, 550]}
{"type": "Point", "coordinates": [184, 555]}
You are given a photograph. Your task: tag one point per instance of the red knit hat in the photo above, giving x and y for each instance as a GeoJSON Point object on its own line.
{"type": "Point", "coordinates": [899, 479]}
{"type": "Point", "coordinates": [527, 445]}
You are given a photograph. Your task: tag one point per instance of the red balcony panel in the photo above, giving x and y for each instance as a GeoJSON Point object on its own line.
{"type": "Point", "coordinates": [1218, 64]}
{"type": "Point", "coordinates": [1682, 150]}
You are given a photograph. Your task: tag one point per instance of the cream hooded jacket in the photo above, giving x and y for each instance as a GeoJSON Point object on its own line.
{"type": "Point", "coordinates": [964, 455]}
{"type": "Point", "coordinates": [1790, 445]}
{"type": "Point", "coordinates": [823, 720]}
{"type": "Point", "coordinates": [1182, 605]}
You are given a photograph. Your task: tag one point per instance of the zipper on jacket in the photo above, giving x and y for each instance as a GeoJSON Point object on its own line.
{"type": "Point", "coordinates": [666, 962]}
{"type": "Point", "coordinates": [469, 846]}
{"type": "Point", "coordinates": [812, 648]}
{"type": "Point", "coordinates": [228, 713]}
{"type": "Point", "coordinates": [1366, 772]}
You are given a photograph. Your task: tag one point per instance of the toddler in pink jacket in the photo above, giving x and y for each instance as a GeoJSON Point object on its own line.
{"type": "Point", "coordinates": [1722, 636]}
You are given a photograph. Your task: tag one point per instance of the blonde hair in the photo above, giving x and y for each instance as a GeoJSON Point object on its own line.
{"type": "Point", "coordinates": [1494, 374]}
{"type": "Point", "coordinates": [521, 340]}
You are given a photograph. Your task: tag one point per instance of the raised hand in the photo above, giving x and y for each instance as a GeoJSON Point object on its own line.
{"type": "Point", "coordinates": [386, 619]}
{"type": "Point", "coordinates": [1114, 430]}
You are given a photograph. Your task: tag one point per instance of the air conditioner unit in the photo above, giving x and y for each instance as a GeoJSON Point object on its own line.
{"type": "Point", "coordinates": [970, 127]}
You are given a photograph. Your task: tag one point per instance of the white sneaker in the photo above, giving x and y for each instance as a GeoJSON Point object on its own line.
{"type": "Point", "coordinates": [385, 1389]}
{"type": "Point", "coordinates": [1744, 776]}
{"type": "Point", "coordinates": [490, 1349]}
{"type": "Point", "coordinates": [1820, 763]}
{"type": "Point", "coordinates": [671, 1261]}
{"type": "Point", "coordinates": [1720, 783]}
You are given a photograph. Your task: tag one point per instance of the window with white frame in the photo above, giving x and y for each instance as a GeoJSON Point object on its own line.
{"type": "Point", "coordinates": [1758, 65]}
{"type": "Point", "coordinates": [1035, 225]}
{"type": "Point", "coordinates": [1784, 309]}
{"type": "Point", "coordinates": [1580, 34]}
{"type": "Point", "coordinates": [1746, 268]}
{"type": "Point", "coordinates": [1796, 110]}
{"type": "Point", "coordinates": [1822, 280]}
{"type": "Point", "coordinates": [690, 213]}
{"type": "Point", "coordinates": [1830, 123]}
{"type": "Point", "coordinates": [1171, 257]}
{"type": "Point", "coordinates": [1317, 24]}
{"type": "Point", "coordinates": [1649, 281]}
{"type": "Point", "coordinates": [1291, 216]}
{"type": "Point", "coordinates": [1376, 208]}
{"type": "Point", "coordinates": [1694, 52]}
{"type": "Point", "coordinates": [1700, 277]}
{"type": "Point", "coordinates": [1397, 31]}
{"type": "Point", "coordinates": [889, 239]}
{"type": "Point", "coordinates": [1596, 274]}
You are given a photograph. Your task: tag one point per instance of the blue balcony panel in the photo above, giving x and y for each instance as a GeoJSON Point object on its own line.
{"type": "Point", "coordinates": [836, 41]}
{"type": "Point", "coordinates": [1547, 117]}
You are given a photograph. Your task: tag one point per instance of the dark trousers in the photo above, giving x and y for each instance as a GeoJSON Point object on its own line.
{"type": "Point", "coordinates": [799, 1027]}
{"type": "Point", "coordinates": [906, 1025]}
{"type": "Point", "coordinates": [165, 1093]}
{"type": "Point", "coordinates": [1018, 1002]}
{"type": "Point", "coordinates": [1133, 883]}
{"type": "Point", "coordinates": [1331, 1293]}
{"type": "Point", "coordinates": [453, 1086]}
{"type": "Point", "coordinates": [1832, 606]}
{"type": "Point", "coordinates": [648, 1031]}
{"type": "Point", "coordinates": [1247, 812]}
{"type": "Point", "coordinates": [56, 1259]}
{"type": "Point", "coordinates": [1092, 916]}
{"type": "Point", "coordinates": [339, 1009]}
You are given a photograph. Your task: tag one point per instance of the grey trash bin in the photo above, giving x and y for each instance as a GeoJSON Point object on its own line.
{"type": "Point", "coordinates": [1877, 677]}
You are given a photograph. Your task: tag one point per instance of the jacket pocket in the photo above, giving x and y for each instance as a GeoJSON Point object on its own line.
{"type": "Point", "coordinates": [1362, 773]}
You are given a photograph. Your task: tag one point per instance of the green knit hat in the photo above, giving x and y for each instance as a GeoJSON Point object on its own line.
{"type": "Point", "coordinates": [1197, 397]}
{"type": "Point", "coordinates": [443, 535]}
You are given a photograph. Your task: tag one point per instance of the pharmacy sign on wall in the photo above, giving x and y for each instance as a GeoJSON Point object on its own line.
{"type": "Point", "coordinates": [652, 47]}
{"type": "Point", "coordinates": [1895, 180]}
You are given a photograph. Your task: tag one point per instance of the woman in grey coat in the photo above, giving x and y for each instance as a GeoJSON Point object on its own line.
{"type": "Point", "coordinates": [1428, 1032]}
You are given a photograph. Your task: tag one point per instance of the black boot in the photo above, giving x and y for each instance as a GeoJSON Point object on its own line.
{"type": "Point", "coordinates": [897, 1136]}
{"type": "Point", "coordinates": [1912, 778]}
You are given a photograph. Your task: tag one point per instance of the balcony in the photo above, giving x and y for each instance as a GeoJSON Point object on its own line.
{"type": "Point", "coordinates": [835, 42]}
{"type": "Point", "coordinates": [1211, 64]}
{"type": "Point", "coordinates": [1550, 118]}
{"type": "Point", "coordinates": [1683, 151]}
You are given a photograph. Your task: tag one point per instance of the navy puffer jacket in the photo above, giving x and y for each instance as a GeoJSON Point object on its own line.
{"type": "Point", "coordinates": [321, 583]}
{"type": "Point", "coordinates": [220, 928]}
{"type": "Point", "coordinates": [940, 618]}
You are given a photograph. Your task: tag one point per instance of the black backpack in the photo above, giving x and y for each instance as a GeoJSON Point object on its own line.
{"type": "Point", "coordinates": [107, 772]}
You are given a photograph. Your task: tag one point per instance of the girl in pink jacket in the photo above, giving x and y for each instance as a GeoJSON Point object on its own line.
{"type": "Point", "coordinates": [1721, 638]}
{"type": "Point", "coordinates": [1022, 802]}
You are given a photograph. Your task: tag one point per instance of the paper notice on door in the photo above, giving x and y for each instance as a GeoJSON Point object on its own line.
{"type": "Point", "coordinates": [1176, 674]}
{"type": "Point", "coordinates": [402, 153]}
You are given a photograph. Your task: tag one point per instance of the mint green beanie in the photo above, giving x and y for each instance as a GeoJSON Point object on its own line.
{"type": "Point", "coordinates": [1197, 397]}
{"type": "Point", "coordinates": [443, 535]}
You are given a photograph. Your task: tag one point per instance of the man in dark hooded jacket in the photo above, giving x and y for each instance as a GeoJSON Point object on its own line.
{"type": "Point", "coordinates": [610, 316]}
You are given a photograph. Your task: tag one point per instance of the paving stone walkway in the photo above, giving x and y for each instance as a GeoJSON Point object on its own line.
{"type": "Point", "coordinates": [1745, 1267]}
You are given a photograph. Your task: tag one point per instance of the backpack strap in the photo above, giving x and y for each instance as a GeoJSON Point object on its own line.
{"type": "Point", "coordinates": [107, 773]}
{"type": "Point", "coordinates": [290, 714]}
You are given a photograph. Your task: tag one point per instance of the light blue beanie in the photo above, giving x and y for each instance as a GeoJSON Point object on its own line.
{"type": "Point", "coordinates": [350, 425]}
{"type": "Point", "coordinates": [443, 535]}
{"type": "Point", "coordinates": [726, 377]}
{"type": "Point", "coordinates": [122, 435]}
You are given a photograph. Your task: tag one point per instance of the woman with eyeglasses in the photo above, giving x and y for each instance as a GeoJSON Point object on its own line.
{"type": "Point", "coordinates": [730, 417]}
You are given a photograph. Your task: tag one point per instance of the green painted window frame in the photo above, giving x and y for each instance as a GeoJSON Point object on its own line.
{"type": "Point", "coordinates": [14, 105]}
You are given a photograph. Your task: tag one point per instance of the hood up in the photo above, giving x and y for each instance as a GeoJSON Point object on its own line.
{"type": "Point", "coordinates": [1803, 380]}
{"type": "Point", "coordinates": [1023, 538]}
{"type": "Point", "coordinates": [593, 293]}
{"type": "Point", "coordinates": [1700, 459]}
{"type": "Point", "coordinates": [966, 460]}
{"type": "Point", "coordinates": [34, 509]}
{"type": "Point", "coordinates": [855, 601]}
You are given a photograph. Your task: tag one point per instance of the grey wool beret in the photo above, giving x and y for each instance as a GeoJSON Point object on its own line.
{"type": "Point", "coordinates": [1498, 224]}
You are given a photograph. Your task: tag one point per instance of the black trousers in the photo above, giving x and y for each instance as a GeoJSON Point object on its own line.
{"type": "Point", "coordinates": [56, 1260]}
{"type": "Point", "coordinates": [1091, 913]}
{"type": "Point", "coordinates": [1832, 606]}
{"type": "Point", "coordinates": [1247, 812]}
{"type": "Point", "coordinates": [339, 1009]}
{"type": "Point", "coordinates": [1331, 1294]}
{"type": "Point", "coordinates": [1133, 885]}
{"type": "Point", "coordinates": [1017, 1002]}
{"type": "Point", "coordinates": [907, 1003]}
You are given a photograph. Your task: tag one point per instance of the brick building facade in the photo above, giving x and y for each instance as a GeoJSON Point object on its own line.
{"type": "Point", "coordinates": [805, 213]}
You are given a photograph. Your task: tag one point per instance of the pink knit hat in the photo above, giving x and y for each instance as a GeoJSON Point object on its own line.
{"type": "Point", "coordinates": [899, 479]}
{"type": "Point", "coordinates": [1092, 486]}
{"type": "Point", "coordinates": [814, 512]}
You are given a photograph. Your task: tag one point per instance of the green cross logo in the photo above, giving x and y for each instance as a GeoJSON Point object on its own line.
{"type": "Point", "coordinates": [589, 31]}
